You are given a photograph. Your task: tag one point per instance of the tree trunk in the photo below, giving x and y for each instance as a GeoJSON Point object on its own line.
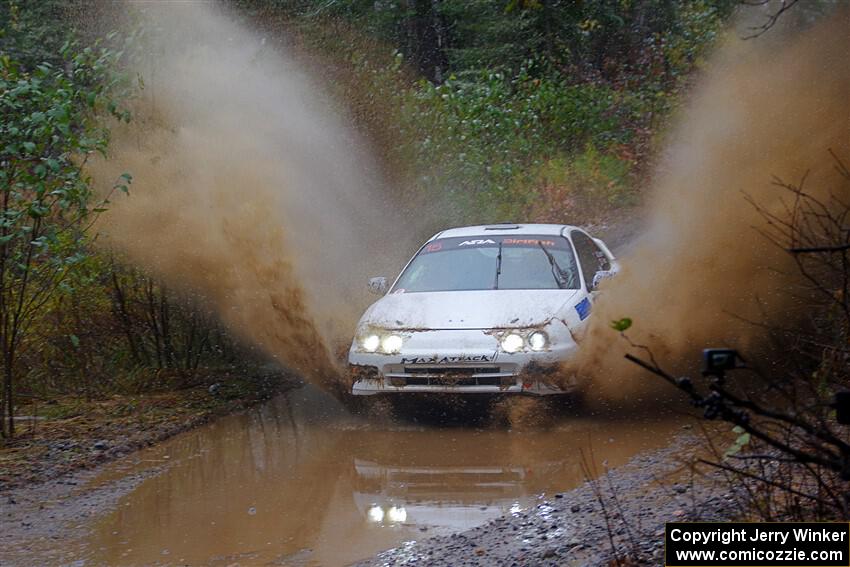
{"type": "Point", "coordinates": [4, 304]}
{"type": "Point", "coordinates": [8, 365]}
{"type": "Point", "coordinates": [440, 36]}
{"type": "Point", "coordinates": [120, 303]}
{"type": "Point", "coordinates": [548, 32]}
{"type": "Point", "coordinates": [154, 324]}
{"type": "Point", "coordinates": [165, 327]}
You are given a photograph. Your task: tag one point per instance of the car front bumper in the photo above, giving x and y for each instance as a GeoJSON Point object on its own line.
{"type": "Point", "coordinates": [460, 362]}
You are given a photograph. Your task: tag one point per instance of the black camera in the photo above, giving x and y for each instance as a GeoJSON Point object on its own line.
{"type": "Point", "coordinates": [841, 405]}
{"type": "Point", "coordinates": [716, 361]}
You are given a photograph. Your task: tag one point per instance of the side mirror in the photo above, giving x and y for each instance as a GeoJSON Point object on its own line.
{"type": "Point", "coordinates": [378, 285]}
{"type": "Point", "coordinates": [599, 277]}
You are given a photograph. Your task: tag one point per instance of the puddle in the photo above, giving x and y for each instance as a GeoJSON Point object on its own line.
{"type": "Point", "coordinates": [300, 482]}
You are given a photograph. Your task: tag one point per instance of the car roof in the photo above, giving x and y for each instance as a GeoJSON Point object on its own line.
{"type": "Point", "coordinates": [505, 228]}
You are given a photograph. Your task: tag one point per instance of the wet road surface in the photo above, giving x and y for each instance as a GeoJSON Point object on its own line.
{"type": "Point", "coordinates": [299, 481]}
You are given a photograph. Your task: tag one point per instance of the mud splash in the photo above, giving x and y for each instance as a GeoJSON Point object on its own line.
{"type": "Point", "coordinates": [249, 188]}
{"type": "Point", "coordinates": [764, 110]}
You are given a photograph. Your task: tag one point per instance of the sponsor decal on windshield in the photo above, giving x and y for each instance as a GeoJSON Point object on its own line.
{"type": "Point", "coordinates": [527, 242]}
{"type": "Point", "coordinates": [532, 241]}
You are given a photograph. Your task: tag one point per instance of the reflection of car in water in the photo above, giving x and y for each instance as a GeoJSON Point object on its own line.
{"type": "Point", "coordinates": [482, 309]}
{"type": "Point", "coordinates": [422, 495]}
{"type": "Point", "coordinates": [455, 497]}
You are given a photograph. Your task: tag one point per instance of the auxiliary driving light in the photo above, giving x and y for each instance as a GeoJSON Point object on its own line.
{"type": "Point", "coordinates": [391, 344]}
{"type": "Point", "coordinates": [538, 340]}
{"type": "Point", "coordinates": [370, 343]}
{"type": "Point", "coordinates": [512, 342]}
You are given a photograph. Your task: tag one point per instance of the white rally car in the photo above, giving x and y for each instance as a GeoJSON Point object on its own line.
{"type": "Point", "coordinates": [481, 309]}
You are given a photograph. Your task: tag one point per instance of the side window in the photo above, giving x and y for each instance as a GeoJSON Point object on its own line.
{"type": "Point", "coordinates": [592, 258]}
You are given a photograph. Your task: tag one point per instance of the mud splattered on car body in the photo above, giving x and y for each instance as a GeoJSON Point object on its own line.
{"type": "Point", "coordinates": [482, 310]}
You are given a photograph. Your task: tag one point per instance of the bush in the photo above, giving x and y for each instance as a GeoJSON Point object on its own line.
{"type": "Point", "coordinates": [484, 136]}
{"type": "Point", "coordinates": [602, 177]}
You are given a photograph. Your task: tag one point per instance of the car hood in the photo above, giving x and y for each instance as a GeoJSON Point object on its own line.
{"type": "Point", "coordinates": [486, 309]}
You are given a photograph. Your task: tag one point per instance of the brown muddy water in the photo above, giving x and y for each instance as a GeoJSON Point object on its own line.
{"type": "Point", "coordinates": [299, 481]}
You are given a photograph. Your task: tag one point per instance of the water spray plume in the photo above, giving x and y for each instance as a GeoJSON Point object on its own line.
{"type": "Point", "coordinates": [248, 189]}
{"type": "Point", "coordinates": [702, 272]}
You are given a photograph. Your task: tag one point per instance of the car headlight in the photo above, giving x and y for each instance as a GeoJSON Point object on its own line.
{"type": "Point", "coordinates": [391, 344]}
{"type": "Point", "coordinates": [397, 514]}
{"type": "Point", "coordinates": [375, 514]}
{"type": "Point", "coordinates": [538, 340]}
{"type": "Point", "coordinates": [370, 343]}
{"type": "Point", "coordinates": [512, 342]}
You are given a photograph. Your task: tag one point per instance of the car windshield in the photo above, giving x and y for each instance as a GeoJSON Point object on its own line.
{"type": "Point", "coordinates": [491, 262]}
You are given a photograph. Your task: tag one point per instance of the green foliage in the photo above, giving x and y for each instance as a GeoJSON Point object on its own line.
{"type": "Point", "coordinates": [488, 133]}
{"type": "Point", "coordinates": [491, 136]}
{"type": "Point", "coordinates": [622, 325]}
{"type": "Point", "coordinates": [605, 38]}
{"type": "Point", "coordinates": [51, 120]}
{"type": "Point", "coordinates": [741, 441]}
{"type": "Point", "coordinates": [48, 124]}
{"type": "Point", "coordinates": [512, 90]}
{"type": "Point", "coordinates": [32, 32]}
{"type": "Point", "coordinates": [602, 177]}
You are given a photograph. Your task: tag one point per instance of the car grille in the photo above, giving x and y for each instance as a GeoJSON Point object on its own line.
{"type": "Point", "coordinates": [452, 376]}
{"type": "Point", "coordinates": [450, 381]}
{"type": "Point", "coordinates": [451, 370]}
